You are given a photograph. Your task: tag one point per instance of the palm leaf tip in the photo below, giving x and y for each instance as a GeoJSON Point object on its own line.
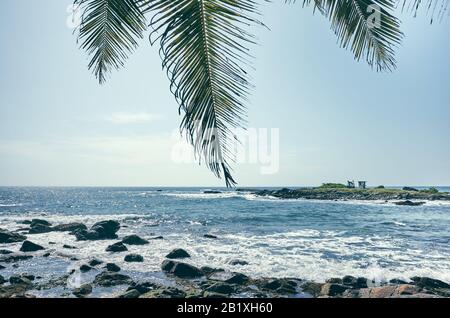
{"type": "Point", "coordinates": [109, 31]}
{"type": "Point", "coordinates": [204, 48]}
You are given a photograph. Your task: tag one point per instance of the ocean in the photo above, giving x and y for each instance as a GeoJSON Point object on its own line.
{"type": "Point", "coordinates": [312, 240]}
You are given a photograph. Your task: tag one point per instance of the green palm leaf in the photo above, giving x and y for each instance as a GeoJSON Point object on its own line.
{"type": "Point", "coordinates": [204, 50]}
{"type": "Point", "coordinates": [351, 21]}
{"type": "Point", "coordinates": [109, 31]}
{"type": "Point", "coordinates": [437, 8]}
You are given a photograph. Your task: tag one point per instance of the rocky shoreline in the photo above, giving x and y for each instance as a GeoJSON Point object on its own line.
{"type": "Point", "coordinates": [397, 196]}
{"type": "Point", "coordinates": [182, 280]}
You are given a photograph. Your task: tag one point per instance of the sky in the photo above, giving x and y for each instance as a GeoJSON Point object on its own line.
{"type": "Point", "coordinates": [331, 118]}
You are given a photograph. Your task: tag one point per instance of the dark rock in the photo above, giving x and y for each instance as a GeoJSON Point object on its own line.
{"type": "Point", "coordinates": [46, 254]}
{"type": "Point", "coordinates": [143, 288]}
{"type": "Point", "coordinates": [39, 229]}
{"type": "Point", "coordinates": [133, 258]}
{"type": "Point", "coordinates": [334, 281]}
{"type": "Point", "coordinates": [112, 267]}
{"type": "Point", "coordinates": [35, 222]}
{"type": "Point", "coordinates": [19, 280]}
{"type": "Point", "coordinates": [15, 257]}
{"type": "Point", "coordinates": [410, 189]}
{"type": "Point", "coordinates": [209, 270]}
{"type": "Point", "coordinates": [181, 270]}
{"type": "Point", "coordinates": [104, 230]}
{"type": "Point", "coordinates": [69, 227]}
{"type": "Point", "coordinates": [83, 291]}
{"type": "Point", "coordinates": [28, 246]}
{"type": "Point", "coordinates": [133, 293]}
{"type": "Point", "coordinates": [210, 236]}
{"type": "Point", "coordinates": [117, 247]}
{"type": "Point", "coordinates": [427, 282]}
{"type": "Point", "coordinates": [409, 203]}
{"type": "Point", "coordinates": [178, 253]}
{"type": "Point", "coordinates": [2, 280]}
{"type": "Point", "coordinates": [312, 288]}
{"type": "Point", "coordinates": [29, 277]}
{"type": "Point", "coordinates": [109, 279]}
{"type": "Point", "coordinates": [332, 289]}
{"type": "Point", "coordinates": [238, 262]}
{"type": "Point", "coordinates": [238, 279]}
{"type": "Point", "coordinates": [10, 237]}
{"type": "Point", "coordinates": [95, 262]}
{"type": "Point", "coordinates": [165, 292]}
{"type": "Point", "coordinates": [354, 282]}
{"type": "Point", "coordinates": [212, 192]}
{"type": "Point", "coordinates": [2, 267]}
{"type": "Point", "coordinates": [231, 278]}
{"type": "Point", "coordinates": [85, 268]}
{"type": "Point", "coordinates": [221, 288]}
{"type": "Point", "coordinates": [134, 240]}
{"type": "Point", "coordinates": [69, 247]}
{"type": "Point", "coordinates": [5, 252]}
{"type": "Point", "coordinates": [14, 291]}
{"type": "Point", "coordinates": [157, 238]}
{"type": "Point", "coordinates": [396, 281]}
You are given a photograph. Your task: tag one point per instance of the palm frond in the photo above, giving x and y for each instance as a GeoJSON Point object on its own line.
{"type": "Point", "coordinates": [109, 31]}
{"type": "Point", "coordinates": [435, 8]}
{"type": "Point", "coordinates": [351, 20]}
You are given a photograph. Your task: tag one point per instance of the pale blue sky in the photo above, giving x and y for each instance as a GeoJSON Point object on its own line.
{"type": "Point", "coordinates": [337, 118]}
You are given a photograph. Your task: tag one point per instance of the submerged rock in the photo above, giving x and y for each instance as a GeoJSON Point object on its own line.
{"type": "Point", "coordinates": [82, 291]}
{"type": "Point", "coordinates": [39, 229]}
{"type": "Point", "coordinates": [10, 237]}
{"type": "Point", "coordinates": [178, 253]}
{"type": "Point", "coordinates": [133, 258]}
{"type": "Point", "coordinates": [134, 240]}
{"type": "Point", "coordinates": [117, 247]}
{"type": "Point", "coordinates": [210, 236]}
{"type": "Point", "coordinates": [109, 279]}
{"type": "Point", "coordinates": [181, 270]}
{"type": "Point", "coordinates": [28, 246]}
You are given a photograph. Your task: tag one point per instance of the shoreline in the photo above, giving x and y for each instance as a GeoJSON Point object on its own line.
{"type": "Point", "coordinates": [179, 278]}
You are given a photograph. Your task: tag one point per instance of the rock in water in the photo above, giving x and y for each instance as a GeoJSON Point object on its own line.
{"type": "Point", "coordinates": [132, 293]}
{"type": "Point", "coordinates": [28, 246]}
{"type": "Point", "coordinates": [69, 227]}
{"type": "Point", "coordinates": [210, 236]}
{"type": "Point", "coordinates": [10, 237]}
{"type": "Point", "coordinates": [410, 189]}
{"type": "Point", "coordinates": [39, 228]}
{"type": "Point", "coordinates": [104, 230]}
{"type": "Point", "coordinates": [117, 247]}
{"type": "Point", "coordinates": [95, 262]}
{"type": "Point", "coordinates": [19, 280]}
{"type": "Point", "coordinates": [427, 282]}
{"type": "Point", "coordinates": [181, 270]}
{"type": "Point", "coordinates": [15, 257]}
{"type": "Point", "coordinates": [134, 258]}
{"type": "Point", "coordinates": [83, 291]}
{"type": "Point", "coordinates": [108, 279]}
{"type": "Point", "coordinates": [332, 289]}
{"type": "Point", "coordinates": [238, 262]}
{"type": "Point", "coordinates": [85, 268]}
{"type": "Point", "coordinates": [409, 203]}
{"type": "Point", "coordinates": [35, 222]}
{"type": "Point", "coordinates": [2, 280]}
{"type": "Point", "coordinates": [221, 288]}
{"type": "Point", "coordinates": [5, 252]}
{"type": "Point", "coordinates": [111, 267]}
{"type": "Point", "coordinates": [178, 253]}
{"type": "Point", "coordinates": [134, 240]}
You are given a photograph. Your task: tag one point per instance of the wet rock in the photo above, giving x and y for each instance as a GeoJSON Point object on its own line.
{"type": "Point", "coordinates": [5, 252]}
{"type": "Point", "coordinates": [133, 293]}
{"type": "Point", "coordinates": [39, 229]}
{"type": "Point", "coordinates": [28, 246]}
{"type": "Point", "coordinates": [109, 279]}
{"type": "Point", "coordinates": [111, 267]}
{"type": "Point", "coordinates": [178, 253]}
{"type": "Point", "coordinates": [312, 288]}
{"type": "Point", "coordinates": [332, 289]}
{"type": "Point", "coordinates": [83, 291]}
{"type": "Point", "coordinates": [143, 288]}
{"type": "Point", "coordinates": [210, 236]}
{"type": "Point", "coordinates": [85, 268]}
{"type": "Point", "coordinates": [334, 280]}
{"type": "Point", "coordinates": [134, 240]}
{"type": "Point", "coordinates": [117, 247]}
{"type": "Point", "coordinates": [14, 291]}
{"type": "Point", "coordinates": [409, 203]}
{"type": "Point", "coordinates": [10, 237]}
{"type": "Point", "coordinates": [15, 257]}
{"type": "Point", "coordinates": [2, 267]}
{"type": "Point", "coordinates": [430, 283]}
{"type": "Point", "coordinates": [69, 247]}
{"type": "Point", "coordinates": [181, 270]}
{"type": "Point", "coordinates": [95, 262]}
{"type": "Point", "coordinates": [221, 288]}
{"type": "Point", "coordinates": [19, 280]}
{"type": "Point", "coordinates": [210, 270]}
{"type": "Point", "coordinates": [69, 227]}
{"type": "Point", "coordinates": [133, 258]}
{"type": "Point", "coordinates": [165, 292]}
{"type": "Point", "coordinates": [157, 238]}
{"type": "Point", "coordinates": [35, 222]}
{"type": "Point", "coordinates": [46, 254]}
{"type": "Point", "coordinates": [396, 281]}
{"type": "Point", "coordinates": [2, 280]}
{"type": "Point", "coordinates": [354, 282]}
{"type": "Point", "coordinates": [104, 230]}
{"type": "Point", "coordinates": [238, 262]}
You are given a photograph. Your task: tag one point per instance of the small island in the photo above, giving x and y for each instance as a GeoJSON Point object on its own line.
{"type": "Point", "coordinates": [341, 192]}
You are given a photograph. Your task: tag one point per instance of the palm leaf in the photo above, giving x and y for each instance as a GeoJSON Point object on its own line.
{"type": "Point", "coordinates": [109, 31]}
{"type": "Point", "coordinates": [350, 20]}
{"type": "Point", "coordinates": [204, 51]}
{"type": "Point", "coordinates": [437, 8]}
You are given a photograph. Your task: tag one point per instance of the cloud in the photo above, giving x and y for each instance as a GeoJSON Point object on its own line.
{"type": "Point", "coordinates": [122, 118]}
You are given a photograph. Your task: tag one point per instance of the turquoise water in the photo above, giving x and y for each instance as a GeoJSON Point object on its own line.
{"type": "Point", "coordinates": [304, 239]}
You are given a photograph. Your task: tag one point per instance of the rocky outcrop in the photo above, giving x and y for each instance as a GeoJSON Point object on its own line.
{"type": "Point", "coordinates": [178, 253]}
{"type": "Point", "coordinates": [104, 230]}
{"type": "Point", "coordinates": [181, 270]}
{"type": "Point", "coordinates": [134, 240]}
{"type": "Point", "coordinates": [28, 246]}
{"type": "Point", "coordinates": [111, 267]}
{"type": "Point", "coordinates": [109, 279]}
{"type": "Point", "coordinates": [10, 237]}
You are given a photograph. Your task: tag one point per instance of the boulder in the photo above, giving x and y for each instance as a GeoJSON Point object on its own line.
{"type": "Point", "coordinates": [10, 237]}
{"type": "Point", "coordinates": [2, 267]}
{"type": "Point", "coordinates": [117, 247]}
{"type": "Point", "coordinates": [143, 288]}
{"type": "Point", "coordinates": [429, 283]}
{"type": "Point", "coordinates": [95, 262]}
{"type": "Point", "coordinates": [332, 289]}
{"type": "Point", "coordinates": [104, 230]}
{"type": "Point", "coordinates": [85, 268]}
{"type": "Point", "coordinates": [69, 247]}
{"type": "Point", "coordinates": [15, 257]}
{"type": "Point", "coordinates": [181, 270]}
{"type": "Point", "coordinates": [210, 270]}
{"type": "Point", "coordinates": [35, 222]}
{"type": "Point", "coordinates": [134, 240]}
{"type": "Point", "coordinates": [19, 280]}
{"type": "Point", "coordinates": [69, 227]}
{"type": "Point", "coordinates": [133, 258]}
{"type": "Point", "coordinates": [5, 252]}
{"type": "Point", "coordinates": [109, 279]}
{"type": "Point", "coordinates": [133, 293]}
{"type": "Point", "coordinates": [178, 253]}
{"type": "Point", "coordinates": [354, 282]}
{"type": "Point", "coordinates": [82, 291]}
{"type": "Point", "coordinates": [389, 291]}
{"type": "Point", "coordinates": [221, 288]}
{"type": "Point", "coordinates": [111, 267]}
{"type": "Point", "coordinates": [39, 229]}
{"type": "Point", "coordinates": [28, 246]}
{"type": "Point", "coordinates": [238, 262]}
